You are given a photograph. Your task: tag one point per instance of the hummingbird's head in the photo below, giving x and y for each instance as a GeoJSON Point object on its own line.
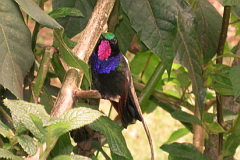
{"type": "Point", "coordinates": [107, 46]}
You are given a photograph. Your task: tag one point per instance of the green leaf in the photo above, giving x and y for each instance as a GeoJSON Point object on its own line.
{"type": "Point", "coordinates": [72, 119]}
{"type": "Point", "coordinates": [235, 79]}
{"type": "Point", "coordinates": [114, 136]}
{"type": "Point", "coordinates": [232, 141]}
{"type": "Point", "coordinates": [160, 19]}
{"type": "Point", "coordinates": [214, 127]}
{"type": "Point", "coordinates": [63, 146]}
{"type": "Point", "coordinates": [5, 131]}
{"type": "Point", "coordinates": [229, 2]}
{"type": "Point", "coordinates": [222, 84]}
{"type": "Point", "coordinates": [124, 32]}
{"type": "Point", "coordinates": [177, 134]}
{"type": "Point", "coordinates": [4, 153]}
{"type": "Point", "coordinates": [208, 28]}
{"type": "Point", "coordinates": [184, 150]}
{"type": "Point", "coordinates": [74, 25]}
{"type": "Point", "coordinates": [28, 144]}
{"type": "Point", "coordinates": [143, 64]}
{"type": "Point", "coordinates": [185, 117]}
{"type": "Point", "coordinates": [34, 11]}
{"type": "Point", "coordinates": [188, 53]}
{"type": "Point", "coordinates": [16, 57]}
{"type": "Point", "coordinates": [64, 12]}
{"type": "Point", "coordinates": [152, 84]}
{"type": "Point", "coordinates": [22, 114]}
{"type": "Point", "coordinates": [71, 157]}
{"type": "Point", "coordinates": [236, 11]}
{"type": "Point", "coordinates": [67, 55]}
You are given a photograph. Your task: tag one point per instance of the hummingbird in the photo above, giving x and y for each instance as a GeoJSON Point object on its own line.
{"type": "Point", "coordinates": [111, 77]}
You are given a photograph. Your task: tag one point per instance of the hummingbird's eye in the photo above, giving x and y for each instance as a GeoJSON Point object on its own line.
{"type": "Point", "coordinates": [114, 41]}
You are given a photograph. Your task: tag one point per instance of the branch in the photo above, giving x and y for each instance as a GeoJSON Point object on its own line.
{"type": "Point", "coordinates": [221, 43]}
{"type": "Point", "coordinates": [83, 50]}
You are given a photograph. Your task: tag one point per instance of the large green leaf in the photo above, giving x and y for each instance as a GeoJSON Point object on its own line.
{"type": "Point", "coordinates": [34, 11]}
{"type": "Point", "coordinates": [184, 150]}
{"type": "Point", "coordinates": [22, 113]}
{"type": "Point", "coordinates": [73, 25]}
{"type": "Point", "coordinates": [16, 56]}
{"type": "Point", "coordinates": [155, 22]}
{"type": "Point", "coordinates": [235, 79]}
{"type": "Point", "coordinates": [72, 119]}
{"type": "Point", "coordinates": [208, 28]}
{"type": "Point", "coordinates": [114, 136]}
{"type": "Point", "coordinates": [188, 52]}
{"type": "Point", "coordinates": [4, 153]}
{"type": "Point", "coordinates": [28, 144]}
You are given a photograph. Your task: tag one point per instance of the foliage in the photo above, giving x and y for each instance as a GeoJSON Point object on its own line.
{"type": "Point", "coordinates": [172, 46]}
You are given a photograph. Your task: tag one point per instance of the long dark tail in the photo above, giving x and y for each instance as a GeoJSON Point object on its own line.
{"type": "Point", "coordinates": [127, 110]}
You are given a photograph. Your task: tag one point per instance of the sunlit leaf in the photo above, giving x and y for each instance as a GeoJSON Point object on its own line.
{"type": "Point", "coordinates": [28, 144]}
{"type": "Point", "coordinates": [177, 134]}
{"type": "Point", "coordinates": [4, 153]}
{"type": "Point", "coordinates": [21, 112]}
{"type": "Point", "coordinates": [5, 131]}
{"type": "Point", "coordinates": [72, 119]}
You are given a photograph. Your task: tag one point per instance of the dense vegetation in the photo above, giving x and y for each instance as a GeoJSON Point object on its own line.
{"type": "Point", "coordinates": [179, 59]}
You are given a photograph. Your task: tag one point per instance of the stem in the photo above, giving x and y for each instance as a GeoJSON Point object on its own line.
{"type": "Point", "coordinates": [222, 40]}
{"type": "Point", "coordinates": [36, 27]}
{"type": "Point", "coordinates": [42, 72]}
{"type": "Point", "coordinates": [166, 98]}
{"type": "Point", "coordinates": [153, 81]}
{"type": "Point", "coordinates": [58, 67]}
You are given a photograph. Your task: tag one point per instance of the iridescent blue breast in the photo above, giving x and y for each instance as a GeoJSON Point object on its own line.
{"type": "Point", "coordinates": [106, 65]}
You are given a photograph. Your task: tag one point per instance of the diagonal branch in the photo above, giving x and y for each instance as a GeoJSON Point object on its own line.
{"type": "Point", "coordinates": [84, 49]}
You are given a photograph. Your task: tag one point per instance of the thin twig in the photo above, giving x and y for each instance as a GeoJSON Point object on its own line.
{"type": "Point", "coordinates": [221, 43]}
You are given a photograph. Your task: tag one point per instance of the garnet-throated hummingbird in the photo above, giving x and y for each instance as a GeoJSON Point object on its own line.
{"type": "Point", "coordinates": [111, 77]}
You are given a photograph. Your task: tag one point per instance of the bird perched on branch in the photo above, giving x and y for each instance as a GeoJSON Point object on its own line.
{"type": "Point", "coordinates": [111, 77]}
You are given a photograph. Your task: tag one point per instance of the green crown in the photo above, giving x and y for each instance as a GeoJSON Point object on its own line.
{"type": "Point", "coordinates": [108, 36]}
